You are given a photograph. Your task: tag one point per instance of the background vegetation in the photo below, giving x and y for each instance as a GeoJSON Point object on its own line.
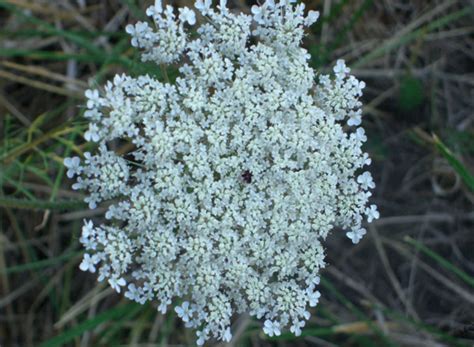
{"type": "Point", "coordinates": [410, 282]}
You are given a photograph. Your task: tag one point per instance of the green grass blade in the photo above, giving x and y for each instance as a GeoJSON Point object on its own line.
{"type": "Point", "coordinates": [18, 186]}
{"type": "Point", "coordinates": [360, 314]}
{"type": "Point", "coordinates": [390, 45]}
{"type": "Point", "coordinates": [441, 261]}
{"type": "Point", "coordinates": [9, 202]}
{"type": "Point", "coordinates": [52, 30]}
{"type": "Point", "coordinates": [60, 172]}
{"type": "Point", "coordinates": [305, 332]}
{"type": "Point", "coordinates": [404, 319]}
{"type": "Point", "coordinates": [136, 11]}
{"type": "Point", "coordinates": [89, 324]}
{"type": "Point", "coordinates": [467, 177]}
{"type": "Point", "coordinates": [118, 326]}
{"type": "Point", "coordinates": [40, 264]}
{"type": "Point", "coordinates": [49, 55]}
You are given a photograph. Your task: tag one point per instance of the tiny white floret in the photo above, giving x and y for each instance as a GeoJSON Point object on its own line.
{"type": "Point", "coordinates": [116, 283]}
{"type": "Point", "coordinates": [88, 263]}
{"type": "Point", "coordinates": [271, 328]}
{"type": "Point", "coordinates": [184, 311]}
{"type": "Point", "coordinates": [366, 180]}
{"type": "Point", "coordinates": [356, 235]}
{"type": "Point", "coordinates": [74, 166]}
{"type": "Point", "coordinates": [372, 213]}
{"type": "Point", "coordinates": [187, 15]}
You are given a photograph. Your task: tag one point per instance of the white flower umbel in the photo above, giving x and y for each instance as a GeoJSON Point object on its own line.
{"type": "Point", "coordinates": [238, 170]}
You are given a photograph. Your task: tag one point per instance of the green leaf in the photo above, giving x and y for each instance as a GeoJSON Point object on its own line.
{"type": "Point", "coordinates": [411, 93]}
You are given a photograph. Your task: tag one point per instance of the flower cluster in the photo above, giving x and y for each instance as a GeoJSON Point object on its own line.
{"type": "Point", "coordinates": [233, 175]}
